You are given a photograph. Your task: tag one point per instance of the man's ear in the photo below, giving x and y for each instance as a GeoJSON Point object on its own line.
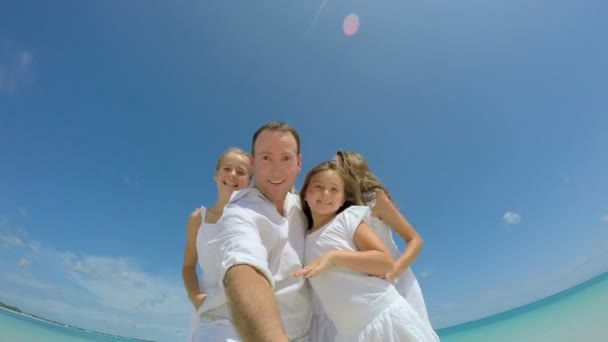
{"type": "Point", "coordinates": [299, 163]}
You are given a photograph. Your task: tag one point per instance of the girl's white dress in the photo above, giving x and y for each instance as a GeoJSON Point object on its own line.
{"type": "Point", "coordinates": [211, 321]}
{"type": "Point", "coordinates": [407, 283]}
{"type": "Point", "coordinates": [363, 308]}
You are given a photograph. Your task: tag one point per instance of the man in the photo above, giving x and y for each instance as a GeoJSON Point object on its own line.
{"type": "Point", "coordinates": [262, 242]}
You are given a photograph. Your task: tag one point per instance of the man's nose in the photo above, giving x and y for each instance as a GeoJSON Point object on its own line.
{"type": "Point", "coordinates": [276, 165]}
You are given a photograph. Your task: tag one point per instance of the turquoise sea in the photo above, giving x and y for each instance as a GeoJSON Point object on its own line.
{"type": "Point", "coordinates": [577, 314]}
{"type": "Point", "coordinates": [16, 327]}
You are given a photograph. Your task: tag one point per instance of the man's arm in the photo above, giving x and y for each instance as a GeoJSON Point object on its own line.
{"type": "Point", "coordinates": [252, 305]}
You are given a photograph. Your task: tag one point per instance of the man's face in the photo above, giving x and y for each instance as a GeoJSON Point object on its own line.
{"type": "Point", "coordinates": [275, 163]}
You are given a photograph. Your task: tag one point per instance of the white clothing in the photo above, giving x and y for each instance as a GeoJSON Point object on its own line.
{"type": "Point", "coordinates": [212, 329]}
{"type": "Point", "coordinates": [252, 232]}
{"type": "Point", "coordinates": [211, 322]}
{"type": "Point", "coordinates": [406, 284]}
{"type": "Point", "coordinates": [397, 323]}
{"type": "Point", "coordinates": [360, 306]}
{"type": "Point", "coordinates": [322, 329]}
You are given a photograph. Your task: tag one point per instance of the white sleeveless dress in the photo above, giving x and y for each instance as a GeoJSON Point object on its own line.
{"type": "Point", "coordinates": [211, 322]}
{"type": "Point", "coordinates": [362, 308]}
{"type": "Point", "coordinates": [407, 283]}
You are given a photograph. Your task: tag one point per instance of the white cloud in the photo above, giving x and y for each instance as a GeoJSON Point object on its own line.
{"type": "Point", "coordinates": [11, 240]}
{"type": "Point", "coordinates": [103, 293]}
{"type": "Point", "coordinates": [18, 240]}
{"type": "Point", "coordinates": [27, 282]}
{"type": "Point", "coordinates": [537, 284]}
{"type": "Point", "coordinates": [118, 283]}
{"type": "Point", "coordinates": [25, 60]}
{"type": "Point", "coordinates": [24, 263]}
{"type": "Point", "coordinates": [15, 68]}
{"type": "Point", "coordinates": [605, 219]}
{"type": "Point", "coordinates": [130, 181]}
{"type": "Point", "coordinates": [426, 273]}
{"type": "Point", "coordinates": [511, 217]}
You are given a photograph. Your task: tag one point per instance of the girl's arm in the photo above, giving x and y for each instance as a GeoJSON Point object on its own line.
{"type": "Point", "coordinates": [371, 258]}
{"type": "Point", "coordinates": [190, 257]}
{"type": "Point", "coordinates": [389, 214]}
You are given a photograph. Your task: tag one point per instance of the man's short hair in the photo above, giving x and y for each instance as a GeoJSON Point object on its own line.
{"type": "Point", "coordinates": [279, 126]}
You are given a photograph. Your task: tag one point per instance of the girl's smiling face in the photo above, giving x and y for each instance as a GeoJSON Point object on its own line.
{"type": "Point", "coordinates": [325, 193]}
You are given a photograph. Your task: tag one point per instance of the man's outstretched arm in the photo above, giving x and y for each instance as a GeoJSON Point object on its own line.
{"type": "Point", "coordinates": [253, 306]}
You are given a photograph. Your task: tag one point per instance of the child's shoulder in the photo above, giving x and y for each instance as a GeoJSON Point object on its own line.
{"type": "Point", "coordinates": [355, 214]}
{"type": "Point", "coordinates": [349, 220]}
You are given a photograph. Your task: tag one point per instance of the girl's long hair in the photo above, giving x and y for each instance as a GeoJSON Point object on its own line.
{"type": "Point", "coordinates": [356, 166]}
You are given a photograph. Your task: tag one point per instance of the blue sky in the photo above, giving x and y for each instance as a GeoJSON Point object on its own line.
{"type": "Point", "coordinates": [486, 120]}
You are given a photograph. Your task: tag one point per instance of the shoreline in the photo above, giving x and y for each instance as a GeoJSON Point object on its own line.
{"type": "Point", "coordinates": [16, 310]}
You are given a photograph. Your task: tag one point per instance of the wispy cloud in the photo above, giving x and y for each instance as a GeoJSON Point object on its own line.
{"type": "Point", "coordinates": [11, 240]}
{"type": "Point", "coordinates": [426, 273]}
{"type": "Point", "coordinates": [24, 263]}
{"type": "Point", "coordinates": [131, 181]}
{"type": "Point", "coordinates": [473, 304]}
{"type": "Point", "coordinates": [119, 283]}
{"type": "Point", "coordinates": [113, 294]}
{"type": "Point", "coordinates": [511, 217]}
{"type": "Point", "coordinates": [605, 219]}
{"type": "Point", "coordinates": [15, 237]}
{"type": "Point", "coordinates": [15, 68]}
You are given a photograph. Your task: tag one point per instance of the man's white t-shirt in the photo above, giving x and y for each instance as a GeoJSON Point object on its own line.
{"type": "Point", "coordinates": [253, 232]}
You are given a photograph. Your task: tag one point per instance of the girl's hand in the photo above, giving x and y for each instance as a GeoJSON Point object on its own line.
{"type": "Point", "coordinates": [198, 300]}
{"type": "Point", "coordinates": [394, 274]}
{"type": "Point", "coordinates": [391, 276]}
{"type": "Point", "coordinates": [319, 264]}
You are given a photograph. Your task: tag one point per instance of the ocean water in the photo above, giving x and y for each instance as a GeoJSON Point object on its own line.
{"type": "Point", "coordinates": [15, 327]}
{"type": "Point", "coordinates": [577, 314]}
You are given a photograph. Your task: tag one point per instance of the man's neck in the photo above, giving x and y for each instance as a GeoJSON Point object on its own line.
{"type": "Point", "coordinates": [279, 203]}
